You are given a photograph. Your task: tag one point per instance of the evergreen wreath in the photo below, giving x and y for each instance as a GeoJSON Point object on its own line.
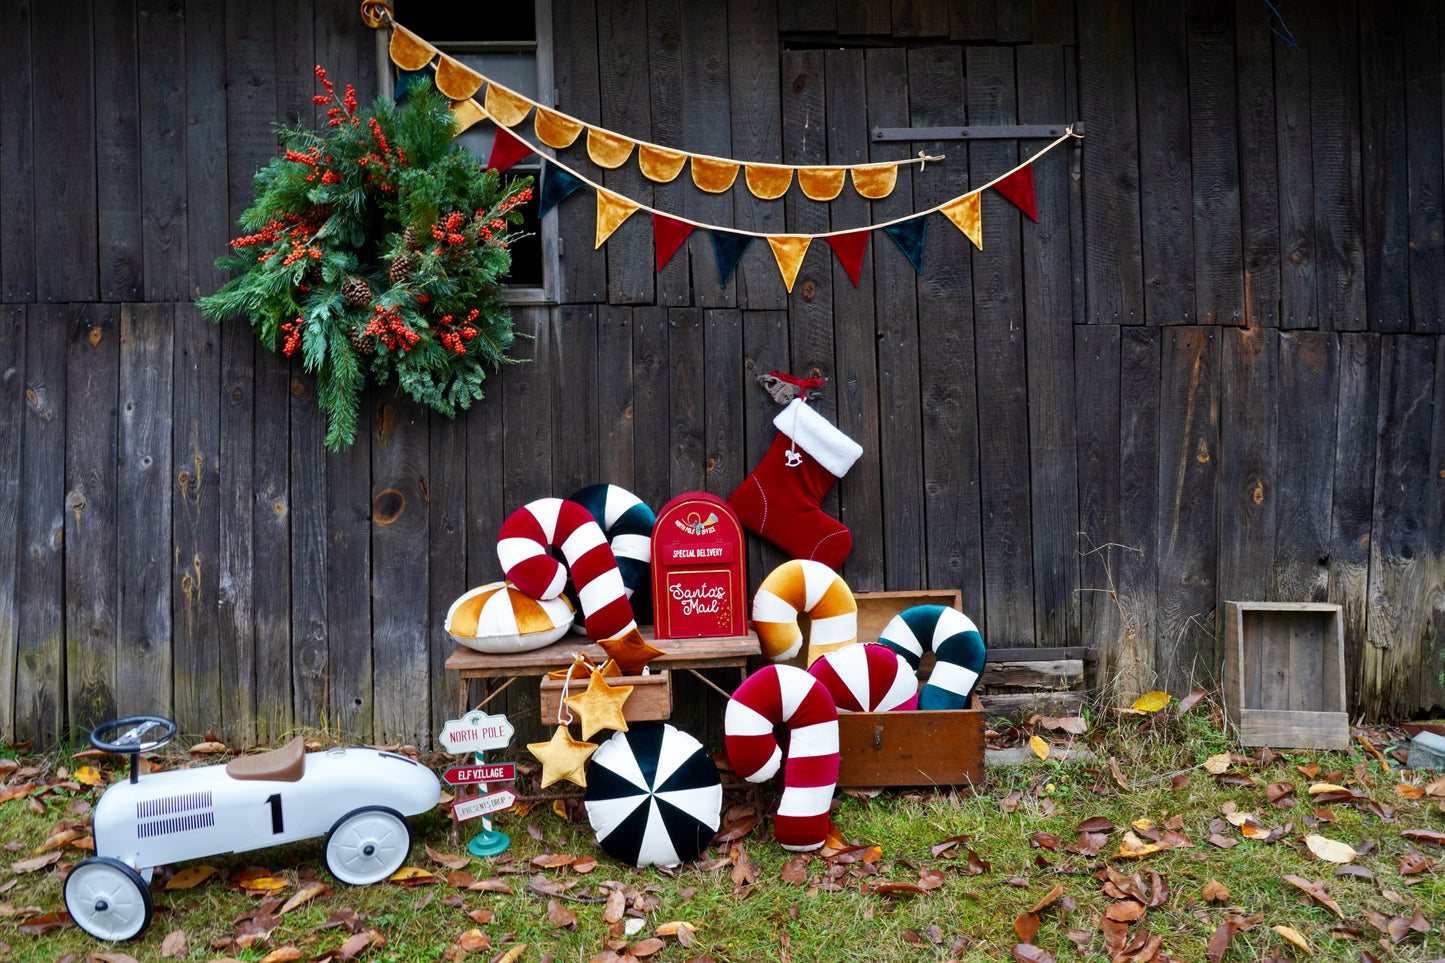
{"type": "Point", "coordinates": [378, 249]}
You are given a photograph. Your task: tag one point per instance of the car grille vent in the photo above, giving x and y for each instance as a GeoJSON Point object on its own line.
{"type": "Point", "coordinates": [167, 805]}
{"type": "Point", "coordinates": [176, 824]}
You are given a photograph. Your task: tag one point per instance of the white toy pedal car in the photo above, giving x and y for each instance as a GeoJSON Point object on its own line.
{"type": "Point", "coordinates": [358, 798]}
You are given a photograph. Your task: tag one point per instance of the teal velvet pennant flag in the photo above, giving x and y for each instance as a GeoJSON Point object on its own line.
{"type": "Point", "coordinates": [728, 248]}
{"type": "Point", "coordinates": [557, 186]}
{"type": "Point", "coordinates": [909, 237]}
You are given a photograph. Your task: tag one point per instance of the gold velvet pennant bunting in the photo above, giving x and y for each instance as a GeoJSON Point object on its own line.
{"type": "Point", "coordinates": [768, 181]}
{"type": "Point", "coordinates": [505, 107]}
{"type": "Point", "coordinates": [607, 149]}
{"type": "Point", "coordinates": [456, 79]}
{"type": "Point", "coordinates": [964, 213]}
{"type": "Point", "coordinates": [611, 212]}
{"type": "Point", "coordinates": [466, 113]}
{"type": "Point", "coordinates": [660, 164]}
{"type": "Point", "coordinates": [789, 250]}
{"type": "Point", "coordinates": [408, 51]}
{"type": "Point", "coordinates": [875, 182]}
{"type": "Point", "coordinates": [821, 183]}
{"type": "Point", "coordinates": [554, 130]}
{"type": "Point", "coordinates": [713, 176]}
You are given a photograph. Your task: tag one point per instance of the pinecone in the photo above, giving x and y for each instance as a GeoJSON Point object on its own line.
{"type": "Point", "coordinates": [411, 238]}
{"type": "Point", "coordinates": [363, 344]}
{"type": "Point", "coordinates": [356, 291]}
{"type": "Point", "coordinates": [402, 266]}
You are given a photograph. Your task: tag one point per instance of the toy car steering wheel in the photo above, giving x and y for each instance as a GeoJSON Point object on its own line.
{"type": "Point", "coordinates": [130, 743]}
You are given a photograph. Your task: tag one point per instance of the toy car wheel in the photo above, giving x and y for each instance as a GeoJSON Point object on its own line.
{"type": "Point", "coordinates": [367, 845]}
{"type": "Point", "coordinates": [108, 899]}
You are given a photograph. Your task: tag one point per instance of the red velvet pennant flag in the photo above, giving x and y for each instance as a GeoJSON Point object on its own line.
{"type": "Point", "coordinates": [1019, 188]}
{"type": "Point", "coordinates": [507, 149]}
{"type": "Point", "coordinates": [849, 250]}
{"type": "Point", "coordinates": [667, 236]}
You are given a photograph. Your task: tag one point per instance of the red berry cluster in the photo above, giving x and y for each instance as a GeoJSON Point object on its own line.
{"type": "Point", "coordinates": [292, 330]}
{"type": "Point", "coordinates": [392, 330]}
{"type": "Point", "coordinates": [453, 337]}
{"type": "Point", "coordinates": [348, 103]}
{"type": "Point", "coordinates": [269, 233]}
{"type": "Point", "coordinates": [521, 197]}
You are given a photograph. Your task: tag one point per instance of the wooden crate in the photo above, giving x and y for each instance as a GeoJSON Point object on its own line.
{"type": "Point", "coordinates": [651, 699]}
{"type": "Point", "coordinates": [1284, 674]}
{"type": "Point", "coordinates": [876, 609]}
{"type": "Point", "coordinates": [926, 748]}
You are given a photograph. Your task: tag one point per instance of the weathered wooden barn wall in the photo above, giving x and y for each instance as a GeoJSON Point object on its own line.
{"type": "Point", "coordinates": [1213, 370]}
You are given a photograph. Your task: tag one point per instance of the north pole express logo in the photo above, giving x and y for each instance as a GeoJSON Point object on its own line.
{"type": "Point", "coordinates": [696, 525]}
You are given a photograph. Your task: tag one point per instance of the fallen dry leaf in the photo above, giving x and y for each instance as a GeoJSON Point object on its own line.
{"type": "Point", "coordinates": [190, 877]}
{"type": "Point", "coordinates": [584, 864]}
{"type": "Point", "coordinates": [283, 954]}
{"type": "Point", "coordinates": [412, 876]}
{"type": "Point", "coordinates": [553, 860]}
{"type": "Point", "coordinates": [174, 946]}
{"type": "Point", "coordinates": [37, 862]}
{"type": "Point", "coordinates": [208, 748]}
{"type": "Point", "coordinates": [1219, 940]}
{"type": "Point", "coordinates": [1028, 953]}
{"type": "Point", "coordinates": [1330, 850]}
{"type": "Point", "coordinates": [304, 895]}
{"type": "Point", "coordinates": [1217, 763]}
{"type": "Point", "coordinates": [1047, 900]}
{"type": "Point", "coordinates": [1422, 836]}
{"type": "Point", "coordinates": [560, 916]}
{"type": "Point", "coordinates": [1027, 927]}
{"type": "Point", "coordinates": [1315, 892]}
{"type": "Point", "coordinates": [1294, 936]}
{"type": "Point", "coordinates": [1124, 910]}
{"type": "Point", "coordinates": [1215, 892]}
{"type": "Point", "coordinates": [1151, 702]}
{"type": "Point", "coordinates": [614, 908]}
{"type": "Point", "coordinates": [448, 860]}
{"type": "Point", "coordinates": [1132, 847]}
{"type": "Point", "coordinates": [1039, 746]}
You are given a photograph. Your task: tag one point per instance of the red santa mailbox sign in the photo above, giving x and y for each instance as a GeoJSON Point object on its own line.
{"type": "Point", "coordinates": [699, 576]}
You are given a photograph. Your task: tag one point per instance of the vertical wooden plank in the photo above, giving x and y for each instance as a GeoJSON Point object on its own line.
{"type": "Point", "coordinates": [923, 18]}
{"type": "Point", "coordinates": [118, 150]}
{"type": "Point", "coordinates": [1001, 364]}
{"type": "Point", "coordinates": [765, 345]}
{"type": "Point", "coordinates": [1432, 682]}
{"type": "Point", "coordinates": [485, 509]}
{"type": "Point", "coordinates": [1294, 135]}
{"type": "Point", "coordinates": [808, 16]}
{"type": "Point", "coordinates": [864, 18]}
{"type": "Point", "coordinates": [92, 515]}
{"type": "Point", "coordinates": [195, 457]}
{"type": "Point", "coordinates": [706, 100]}
{"type": "Point", "coordinates": [445, 495]}
{"type": "Point", "coordinates": [900, 400]}
{"type": "Point", "coordinates": [1352, 512]}
{"type": "Point", "coordinates": [1137, 561]}
{"type": "Point", "coordinates": [810, 306]}
{"type": "Point", "coordinates": [1405, 568]}
{"type": "Point", "coordinates": [295, 62]}
{"type": "Point", "coordinates": [947, 365]}
{"type": "Point", "coordinates": [208, 222]}
{"type": "Point", "coordinates": [400, 580]}
{"type": "Point", "coordinates": [1113, 270]}
{"type": "Point", "coordinates": [1259, 207]}
{"type": "Point", "coordinates": [143, 658]}
{"type": "Point", "coordinates": [349, 658]}
{"type": "Point", "coordinates": [1421, 57]}
{"type": "Point", "coordinates": [236, 629]}
{"type": "Point", "coordinates": [652, 421]}
{"type": "Point", "coordinates": [574, 398]}
{"type": "Point", "coordinates": [626, 109]}
{"type": "Point", "coordinates": [1048, 327]}
{"type": "Point", "coordinates": [271, 545]}
{"type": "Point", "coordinates": [615, 414]}
{"type": "Point", "coordinates": [1165, 168]}
{"type": "Point", "coordinates": [686, 443]}
{"type": "Point", "coordinates": [40, 579]}
{"type": "Point", "coordinates": [12, 401]}
{"type": "Point", "coordinates": [1308, 378]}
{"type": "Point", "coordinates": [574, 61]}
{"type": "Point", "coordinates": [753, 71]}
{"type": "Point", "coordinates": [17, 164]}
{"type": "Point", "coordinates": [1335, 106]}
{"type": "Point", "coordinates": [665, 76]}
{"type": "Point", "coordinates": [1053, 23]}
{"type": "Point", "coordinates": [164, 254]}
{"type": "Point", "coordinates": [308, 546]}
{"type": "Point", "coordinates": [1015, 21]}
{"type": "Point", "coordinates": [346, 47]}
{"type": "Point", "coordinates": [722, 390]}
{"type": "Point", "coordinates": [860, 492]}
{"type": "Point", "coordinates": [1252, 480]}
{"type": "Point", "coordinates": [1188, 506]}
{"type": "Point", "coordinates": [1097, 403]}
{"type": "Point", "coordinates": [65, 202]}
{"type": "Point", "coordinates": [1214, 163]}
{"type": "Point", "coordinates": [1385, 167]}
{"type": "Point", "coordinates": [972, 21]}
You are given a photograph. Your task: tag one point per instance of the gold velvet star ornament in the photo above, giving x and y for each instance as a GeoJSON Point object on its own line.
{"type": "Point", "coordinates": [631, 651]}
{"type": "Point", "coordinates": [563, 757]}
{"type": "Point", "coordinates": [600, 706]}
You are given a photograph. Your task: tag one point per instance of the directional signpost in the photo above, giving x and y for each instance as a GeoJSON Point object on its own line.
{"type": "Point", "coordinates": [475, 732]}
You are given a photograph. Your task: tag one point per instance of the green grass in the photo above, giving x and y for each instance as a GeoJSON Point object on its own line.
{"type": "Point", "coordinates": [968, 917]}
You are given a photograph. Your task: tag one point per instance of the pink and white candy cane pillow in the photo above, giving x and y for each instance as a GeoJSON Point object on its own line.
{"type": "Point", "coordinates": [867, 678]}
{"type": "Point", "coordinates": [785, 694]}
{"type": "Point", "coordinates": [522, 549]}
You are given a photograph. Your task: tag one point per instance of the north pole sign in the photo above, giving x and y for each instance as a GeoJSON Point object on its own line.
{"type": "Point", "coordinates": [481, 805]}
{"type": "Point", "coordinates": [475, 732]}
{"type": "Point", "coordinates": [465, 775]}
